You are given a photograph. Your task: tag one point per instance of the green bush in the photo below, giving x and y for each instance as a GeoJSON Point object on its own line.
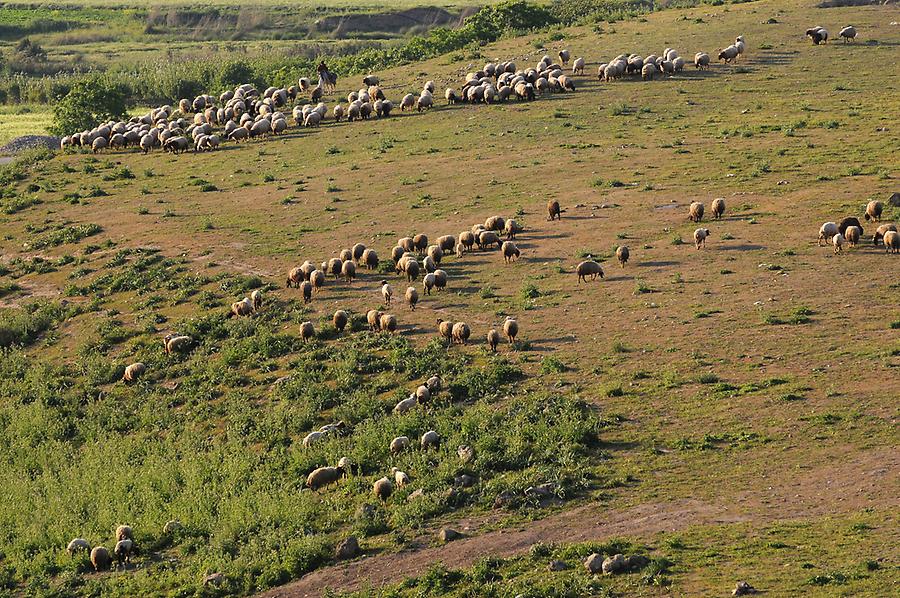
{"type": "Point", "coordinates": [88, 103]}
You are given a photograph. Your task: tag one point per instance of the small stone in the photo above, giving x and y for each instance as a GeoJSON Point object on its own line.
{"type": "Point", "coordinates": [503, 499]}
{"type": "Point", "coordinates": [557, 565]}
{"type": "Point", "coordinates": [614, 564]}
{"type": "Point", "coordinates": [214, 579]}
{"type": "Point", "coordinates": [636, 562]}
{"type": "Point", "coordinates": [448, 535]}
{"type": "Point", "coordinates": [594, 563]}
{"type": "Point", "coordinates": [464, 480]}
{"type": "Point", "coordinates": [894, 200]}
{"type": "Point", "coordinates": [419, 493]}
{"type": "Point", "coordinates": [348, 549]}
{"type": "Point", "coordinates": [466, 453]}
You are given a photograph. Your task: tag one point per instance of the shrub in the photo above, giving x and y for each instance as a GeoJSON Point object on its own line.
{"type": "Point", "coordinates": [88, 103]}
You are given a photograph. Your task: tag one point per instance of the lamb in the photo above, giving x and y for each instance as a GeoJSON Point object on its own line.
{"type": "Point", "coordinates": [307, 331]}
{"type": "Point", "coordinates": [123, 551]}
{"type": "Point", "coordinates": [373, 317]}
{"type": "Point", "coordinates": [892, 242]}
{"type": "Point", "coordinates": [696, 213]}
{"type": "Point", "coordinates": [244, 307]}
{"type": "Point", "coordinates": [388, 323]}
{"type": "Point", "coordinates": [256, 297]}
{"type": "Point", "coordinates": [100, 558]}
{"type": "Point", "coordinates": [445, 329]}
{"type": "Point", "coordinates": [460, 333]}
{"type": "Point", "coordinates": [399, 444]}
{"type": "Point", "coordinates": [177, 344]}
{"type": "Point", "coordinates": [852, 235]}
{"type": "Point", "coordinates": [838, 242]}
{"type": "Point", "coordinates": [700, 237]}
{"type": "Point", "coordinates": [348, 270]}
{"type": "Point", "coordinates": [306, 289]}
{"type": "Point", "coordinates": [848, 33]}
{"type": "Point", "coordinates": [406, 404]}
{"type": "Point", "coordinates": [428, 282]}
{"type": "Point", "coordinates": [412, 297]}
{"type": "Point", "coordinates": [827, 230]}
{"type": "Point", "coordinates": [440, 279]}
{"type": "Point", "coordinates": [78, 545]}
{"type": "Point", "coordinates": [588, 268]}
{"type": "Point", "coordinates": [430, 439]}
{"type": "Point", "coordinates": [578, 66]}
{"type": "Point", "coordinates": [325, 475]}
{"type": "Point", "coordinates": [400, 478]}
{"type": "Point", "coordinates": [493, 339]}
{"type": "Point", "coordinates": [511, 329]}
{"type": "Point", "coordinates": [553, 210]}
{"type": "Point", "coordinates": [383, 488]}
{"type": "Point", "coordinates": [369, 259]}
{"type": "Point", "coordinates": [133, 372]}
{"type": "Point", "coordinates": [340, 320]}
{"type": "Point", "coordinates": [873, 210]}
{"type": "Point", "coordinates": [622, 254]}
{"type": "Point", "coordinates": [718, 207]}
{"type": "Point", "coordinates": [881, 231]}
{"type": "Point", "coordinates": [510, 251]}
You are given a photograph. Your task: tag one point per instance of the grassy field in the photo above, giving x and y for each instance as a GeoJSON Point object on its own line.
{"type": "Point", "coordinates": [729, 412]}
{"type": "Point", "coordinates": [16, 121]}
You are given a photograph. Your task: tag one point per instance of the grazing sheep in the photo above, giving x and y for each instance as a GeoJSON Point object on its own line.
{"type": "Point", "coordinates": [295, 276]}
{"type": "Point", "coordinates": [386, 293]}
{"type": "Point", "coordinates": [100, 558]}
{"type": "Point", "coordinates": [588, 268]}
{"type": "Point", "coordinates": [460, 333]}
{"type": "Point", "coordinates": [399, 444]}
{"type": "Point", "coordinates": [701, 60]}
{"type": "Point", "coordinates": [430, 439]}
{"type": "Point", "coordinates": [412, 297]}
{"type": "Point", "coordinates": [434, 384]}
{"type": "Point", "coordinates": [827, 230]}
{"type": "Point", "coordinates": [383, 488]}
{"type": "Point", "coordinates": [848, 33]}
{"type": "Point", "coordinates": [424, 102]}
{"type": "Point", "coordinates": [78, 545]}
{"type": "Point", "coordinates": [510, 251]}
{"type": "Point", "coordinates": [406, 404]}
{"type": "Point", "coordinates": [324, 476]}
{"type": "Point", "coordinates": [440, 279]}
{"type": "Point", "coordinates": [388, 323]}
{"type": "Point", "coordinates": [892, 241]}
{"type": "Point", "coordinates": [408, 102]}
{"type": "Point", "coordinates": [718, 207]}
{"type": "Point", "coordinates": [564, 57]}
{"type": "Point", "coordinates": [622, 254]}
{"type": "Point", "coordinates": [512, 228]}
{"type": "Point", "coordinates": [873, 211]}
{"type": "Point", "coordinates": [369, 259]}
{"type": "Point", "coordinates": [123, 551]}
{"type": "Point", "coordinates": [467, 239]}
{"type": "Point", "coordinates": [728, 54]}
{"type": "Point", "coordinates": [553, 210]}
{"type": "Point", "coordinates": [133, 372]}
{"type": "Point", "coordinates": [849, 221]}
{"type": "Point", "coordinates": [450, 96]}
{"type": "Point", "coordinates": [881, 231]}
{"type": "Point", "coordinates": [495, 223]}
{"type": "Point", "coordinates": [649, 71]}
{"type": "Point", "coordinates": [334, 267]}
{"type": "Point", "coordinates": [124, 532]}
{"type": "Point", "coordinates": [511, 329]}
{"type": "Point", "coordinates": [818, 35]}
{"type": "Point", "coordinates": [177, 344]}
{"type": "Point", "coordinates": [422, 394]}
{"type": "Point", "coordinates": [445, 329]}
{"type": "Point", "coordinates": [348, 270]}
{"type": "Point", "coordinates": [700, 237]}
{"type": "Point", "coordinates": [493, 339]}
{"type": "Point", "coordinates": [256, 297]}
{"type": "Point", "coordinates": [696, 214]}
{"type": "Point", "coordinates": [838, 242]}
{"type": "Point", "coordinates": [244, 307]}
{"type": "Point", "coordinates": [313, 437]}
{"type": "Point", "coordinates": [420, 243]}
{"type": "Point", "coordinates": [306, 289]}
{"type": "Point", "coordinates": [428, 282]}
{"type": "Point", "coordinates": [488, 238]}
{"type": "Point", "coordinates": [447, 243]}
{"type": "Point", "coordinates": [400, 478]}
{"type": "Point", "coordinates": [340, 320]}
{"type": "Point", "coordinates": [373, 317]}
{"type": "Point", "coordinates": [412, 270]}
{"type": "Point", "coordinates": [578, 66]}
{"type": "Point", "coordinates": [852, 235]}
{"type": "Point", "coordinates": [307, 331]}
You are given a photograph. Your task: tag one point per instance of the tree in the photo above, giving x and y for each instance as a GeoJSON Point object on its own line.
{"type": "Point", "coordinates": [88, 103]}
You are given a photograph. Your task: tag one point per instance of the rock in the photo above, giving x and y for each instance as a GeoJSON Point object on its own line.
{"type": "Point", "coordinates": [29, 142]}
{"type": "Point", "coordinates": [172, 526]}
{"type": "Point", "coordinates": [448, 535]}
{"type": "Point", "coordinates": [365, 511]}
{"type": "Point", "coordinates": [464, 480]}
{"type": "Point", "coordinates": [466, 453]}
{"type": "Point", "coordinates": [594, 563]}
{"type": "Point", "coordinates": [542, 490]}
{"type": "Point", "coordinates": [557, 565]}
{"type": "Point", "coordinates": [636, 562]}
{"type": "Point", "coordinates": [419, 493]}
{"type": "Point", "coordinates": [504, 499]}
{"type": "Point", "coordinates": [743, 588]}
{"type": "Point", "coordinates": [894, 200]}
{"type": "Point", "coordinates": [348, 549]}
{"type": "Point", "coordinates": [614, 564]}
{"type": "Point", "coordinates": [214, 579]}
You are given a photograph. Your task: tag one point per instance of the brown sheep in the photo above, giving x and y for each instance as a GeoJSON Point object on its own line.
{"type": "Point", "coordinates": [696, 213]}
{"type": "Point", "coordinates": [511, 329]}
{"type": "Point", "coordinates": [100, 558]}
{"type": "Point", "coordinates": [588, 268]}
{"type": "Point", "coordinates": [461, 333]}
{"type": "Point", "coordinates": [493, 339]}
{"type": "Point", "coordinates": [339, 320]}
{"type": "Point", "coordinates": [388, 323]}
{"type": "Point", "coordinates": [383, 488]}
{"type": "Point", "coordinates": [718, 207]}
{"type": "Point", "coordinates": [873, 211]}
{"type": "Point", "coordinates": [412, 297]}
{"type": "Point", "coordinates": [553, 210]}
{"type": "Point", "coordinates": [510, 251]}
{"type": "Point", "coordinates": [373, 317]}
{"type": "Point", "coordinates": [622, 254]}
{"type": "Point", "coordinates": [420, 242]}
{"type": "Point", "coordinates": [892, 242]}
{"type": "Point", "coordinates": [307, 331]}
{"type": "Point", "coordinates": [881, 231]}
{"type": "Point", "coordinates": [445, 329]}
{"type": "Point", "coordinates": [306, 288]}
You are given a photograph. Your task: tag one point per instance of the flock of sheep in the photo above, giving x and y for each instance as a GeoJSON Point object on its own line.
{"type": "Point", "coordinates": [819, 35]}
{"type": "Point", "coordinates": [849, 231]}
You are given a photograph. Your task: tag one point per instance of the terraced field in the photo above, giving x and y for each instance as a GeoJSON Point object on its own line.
{"type": "Point", "coordinates": [728, 412]}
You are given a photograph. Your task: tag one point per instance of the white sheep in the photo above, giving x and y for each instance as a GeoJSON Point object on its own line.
{"type": "Point", "coordinates": [838, 242]}
{"type": "Point", "coordinates": [399, 444]}
{"type": "Point", "coordinates": [386, 293]}
{"type": "Point", "coordinates": [848, 33]}
{"type": "Point", "coordinates": [430, 439]}
{"type": "Point", "coordinates": [406, 404]}
{"type": "Point", "coordinates": [412, 297]}
{"type": "Point", "coordinates": [700, 237]}
{"type": "Point", "coordinates": [827, 231]}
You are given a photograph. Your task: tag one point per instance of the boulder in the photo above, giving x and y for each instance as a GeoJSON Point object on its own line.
{"type": "Point", "coordinates": [557, 565]}
{"type": "Point", "coordinates": [594, 563]}
{"type": "Point", "coordinates": [448, 535]}
{"type": "Point", "coordinates": [614, 564]}
{"type": "Point", "coordinates": [347, 549]}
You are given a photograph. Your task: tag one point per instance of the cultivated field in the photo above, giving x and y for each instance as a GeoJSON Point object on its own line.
{"type": "Point", "coordinates": [730, 412]}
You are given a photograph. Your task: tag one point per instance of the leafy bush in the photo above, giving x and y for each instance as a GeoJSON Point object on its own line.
{"type": "Point", "coordinates": [89, 102]}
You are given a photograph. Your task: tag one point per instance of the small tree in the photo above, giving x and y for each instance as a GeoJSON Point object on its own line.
{"type": "Point", "coordinates": [88, 103]}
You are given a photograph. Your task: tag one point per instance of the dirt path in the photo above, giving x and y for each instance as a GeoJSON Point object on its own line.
{"type": "Point", "coordinates": [862, 480]}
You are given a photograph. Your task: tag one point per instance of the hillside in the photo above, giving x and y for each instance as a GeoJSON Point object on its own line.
{"type": "Point", "coordinates": [730, 412]}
